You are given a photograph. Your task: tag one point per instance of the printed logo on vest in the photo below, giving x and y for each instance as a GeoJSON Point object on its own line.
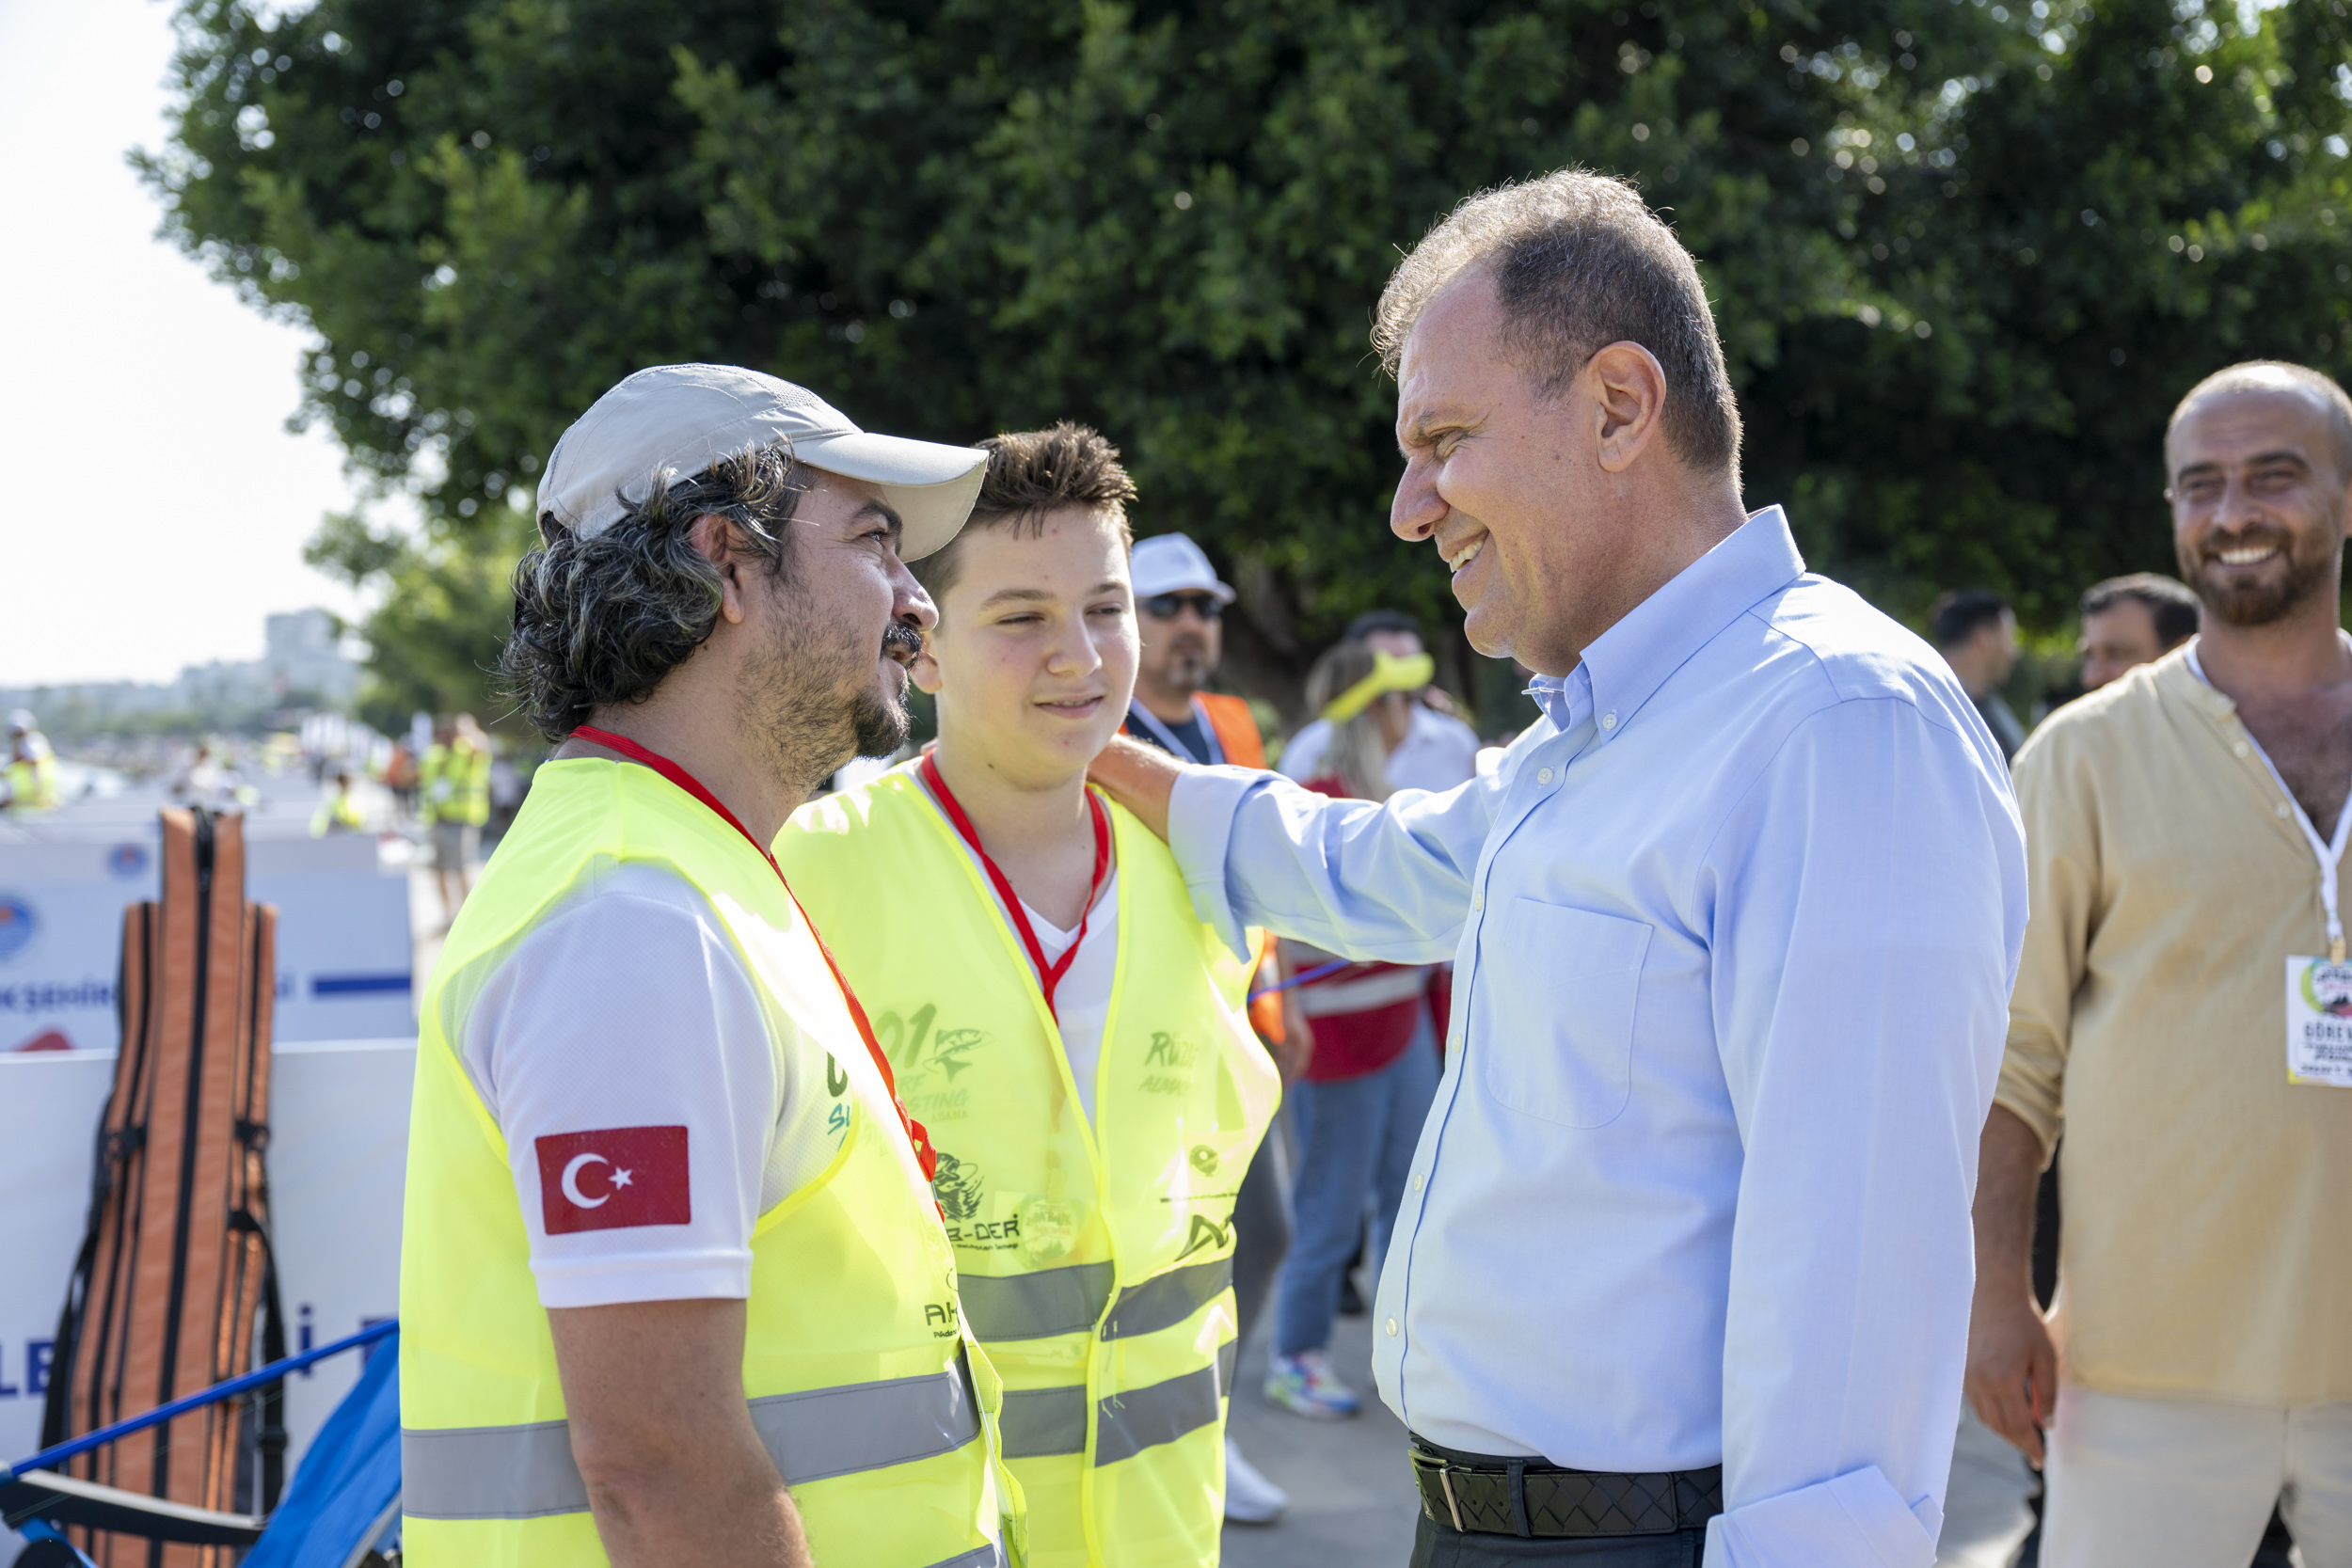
{"type": "Point", "coordinates": [1170, 1060]}
{"type": "Point", "coordinates": [1206, 1233]}
{"type": "Point", "coordinates": [958, 1187]}
{"type": "Point", "coordinates": [928, 1064]}
{"type": "Point", "coordinates": [614, 1179]}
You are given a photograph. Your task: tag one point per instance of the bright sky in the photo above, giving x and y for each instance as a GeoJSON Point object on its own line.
{"type": "Point", "coordinates": [160, 505]}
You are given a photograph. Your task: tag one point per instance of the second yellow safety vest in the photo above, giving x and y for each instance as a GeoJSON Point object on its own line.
{"type": "Point", "coordinates": [863, 1386]}
{"type": "Point", "coordinates": [453, 784]}
{"type": "Point", "coordinates": [32, 784]}
{"type": "Point", "coordinates": [1095, 1259]}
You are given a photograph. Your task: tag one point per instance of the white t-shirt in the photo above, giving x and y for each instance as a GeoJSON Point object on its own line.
{"type": "Point", "coordinates": [624, 1017]}
{"type": "Point", "coordinates": [1438, 752]}
{"type": "Point", "coordinates": [1082, 1003]}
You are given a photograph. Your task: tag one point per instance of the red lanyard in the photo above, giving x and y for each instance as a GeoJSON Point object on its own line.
{"type": "Point", "coordinates": [924, 1155]}
{"type": "Point", "coordinates": [1048, 976]}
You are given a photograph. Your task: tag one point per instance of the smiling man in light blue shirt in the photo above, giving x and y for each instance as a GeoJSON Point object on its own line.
{"type": "Point", "coordinates": [1734, 926]}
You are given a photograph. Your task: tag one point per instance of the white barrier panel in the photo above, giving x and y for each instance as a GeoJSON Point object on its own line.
{"type": "Point", "coordinates": [342, 936]}
{"type": "Point", "coordinates": [338, 1139]}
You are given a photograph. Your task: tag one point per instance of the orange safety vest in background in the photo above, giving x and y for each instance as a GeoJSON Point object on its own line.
{"type": "Point", "coordinates": [1236, 728]}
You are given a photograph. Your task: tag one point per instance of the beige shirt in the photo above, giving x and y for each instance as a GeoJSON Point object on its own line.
{"type": "Point", "coordinates": [2207, 1246]}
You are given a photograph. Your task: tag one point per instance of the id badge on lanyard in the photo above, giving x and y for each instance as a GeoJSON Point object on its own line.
{"type": "Point", "coordinates": [2318, 988]}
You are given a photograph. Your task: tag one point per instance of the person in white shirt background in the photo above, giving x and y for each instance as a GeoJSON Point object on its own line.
{"type": "Point", "coordinates": [1437, 752]}
{"type": "Point", "coordinates": [1684, 1261]}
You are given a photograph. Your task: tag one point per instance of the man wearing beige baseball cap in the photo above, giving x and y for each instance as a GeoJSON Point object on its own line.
{"type": "Point", "coordinates": [674, 1287]}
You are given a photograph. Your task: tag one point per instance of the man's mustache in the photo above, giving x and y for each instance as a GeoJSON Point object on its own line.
{"type": "Point", "coordinates": [902, 642]}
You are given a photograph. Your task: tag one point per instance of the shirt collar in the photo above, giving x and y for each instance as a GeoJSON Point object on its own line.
{"type": "Point", "coordinates": [1628, 663]}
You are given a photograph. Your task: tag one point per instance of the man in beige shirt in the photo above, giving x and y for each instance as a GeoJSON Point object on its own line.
{"type": "Point", "coordinates": [2184, 827]}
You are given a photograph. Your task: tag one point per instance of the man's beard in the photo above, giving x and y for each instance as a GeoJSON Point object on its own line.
{"type": "Point", "coordinates": [1187, 667]}
{"type": "Point", "coordinates": [2260, 603]}
{"type": "Point", "coordinates": [814, 698]}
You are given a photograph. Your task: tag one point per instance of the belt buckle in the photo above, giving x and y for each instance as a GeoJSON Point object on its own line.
{"type": "Point", "coordinates": [1445, 1484]}
{"type": "Point", "coordinates": [1424, 1460]}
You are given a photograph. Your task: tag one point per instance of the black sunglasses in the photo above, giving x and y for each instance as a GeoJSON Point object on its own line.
{"type": "Point", "coordinates": [1167, 606]}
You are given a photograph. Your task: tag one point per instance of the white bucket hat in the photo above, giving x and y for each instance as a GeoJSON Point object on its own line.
{"type": "Point", "coordinates": [673, 422]}
{"type": "Point", "coordinates": [1170, 563]}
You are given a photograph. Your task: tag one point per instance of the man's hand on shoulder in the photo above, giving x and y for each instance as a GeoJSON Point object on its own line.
{"type": "Point", "coordinates": [1140, 777]}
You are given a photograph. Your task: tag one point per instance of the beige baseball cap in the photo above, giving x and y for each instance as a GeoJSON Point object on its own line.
{"type": "Point", "coordinates": [676, 420]}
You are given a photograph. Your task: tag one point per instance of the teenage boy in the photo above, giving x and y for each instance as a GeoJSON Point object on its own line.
{"type": "Point", "coordinates": [1076, 1038]}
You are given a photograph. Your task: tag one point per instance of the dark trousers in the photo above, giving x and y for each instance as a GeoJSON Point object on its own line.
{"type": "Point", "coordinates": [1437, 1545]}
{"type": "Point", "coordinates": [1261, 1231]}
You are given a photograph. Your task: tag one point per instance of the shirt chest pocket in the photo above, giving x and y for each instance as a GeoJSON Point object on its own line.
{"type": "Point", "coordinates": [1563, 988]}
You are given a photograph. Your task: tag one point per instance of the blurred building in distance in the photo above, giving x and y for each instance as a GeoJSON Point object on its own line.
{"type": "Point", "coordinates": [303, 665]}
{"type": "Point", "coordinates": [303, 657]}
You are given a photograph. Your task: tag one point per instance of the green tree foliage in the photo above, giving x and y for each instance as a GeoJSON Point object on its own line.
{"type": "Point", "coordinates": [442, 616]}
{"type": "Point", "coordinates": [1965, 257]}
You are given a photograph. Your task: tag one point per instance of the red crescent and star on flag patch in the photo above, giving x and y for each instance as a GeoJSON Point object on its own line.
{"type": "Point", "coordinates": [614, 1179]}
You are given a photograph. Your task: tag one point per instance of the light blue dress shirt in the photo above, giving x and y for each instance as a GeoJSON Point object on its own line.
{"type": "Point", "coordinates": [1735, 927]}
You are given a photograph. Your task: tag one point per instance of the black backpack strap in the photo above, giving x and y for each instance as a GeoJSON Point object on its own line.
{"type": "Point", "coordinates": [57, 1397]}
{"type": "Point", "coordinates": [112, 1149]}
{"type": "Point", "coordinates": [267, 1404]}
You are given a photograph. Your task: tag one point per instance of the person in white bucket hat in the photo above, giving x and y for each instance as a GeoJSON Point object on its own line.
{"type": "Point", "coordinates": [674, 1284]}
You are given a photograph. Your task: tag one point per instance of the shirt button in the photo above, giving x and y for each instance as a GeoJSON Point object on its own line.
{"type": "Point", "coordinates": [2241, 747]}
{"type": "Point", "coordinates": [2280, 808]}
{"type": "Point", "coordinates": [1416, 1184]}
{"type": "Point", "coordinates": [1608, 720]}
{"type": "Point", "coordinates": [1543, 776]}
{"type": "Point", "coordinates": [1392, 1328]}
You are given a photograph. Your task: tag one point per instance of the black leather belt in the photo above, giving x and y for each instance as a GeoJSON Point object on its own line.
{"type": "Point", "coordinates": [1492, 1495]}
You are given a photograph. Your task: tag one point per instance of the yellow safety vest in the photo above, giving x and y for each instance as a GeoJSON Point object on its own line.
{"type": "Point", "coordinates": [336, 814]}
{"type": "Point", "coordinates": [453, 784]}
{"type": "Point", "coordinates": [32, 784]}
{"type": "Point", "coordinates": [1095, 1262]}
{"type": "Point", "coordinates": [872, 1400]}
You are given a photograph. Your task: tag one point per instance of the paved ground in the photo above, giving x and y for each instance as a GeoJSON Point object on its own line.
{"type": "Point", "coordinates": [1351, 1504]}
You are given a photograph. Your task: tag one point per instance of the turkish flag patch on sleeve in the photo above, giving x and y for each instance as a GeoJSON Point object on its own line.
{"type": "Point", "coordinates": [612, 1179]}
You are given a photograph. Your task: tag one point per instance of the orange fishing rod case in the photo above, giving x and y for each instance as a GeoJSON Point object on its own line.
{"type": "Point", "coordinates": [175, 1280]}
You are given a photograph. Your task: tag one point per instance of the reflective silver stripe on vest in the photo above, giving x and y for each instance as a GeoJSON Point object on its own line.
{"type": "Point", "coordinates": [1038, 1305]}
{"type": "Point", "coordinates": [1038, 1423]}
{"type": "Point", "coordinates": [1162, 1412]}
{"type": "Point", "coordinates": [867, 1426]}
{"type": "Point", "coordinates": [989, 1556]}
{"type": "Point", "coordinates": [1166, 1300]}
{"type": "Point", "coordinates": [519, 1472]}
{"type": "Point", "coordinates": [527, 1472]}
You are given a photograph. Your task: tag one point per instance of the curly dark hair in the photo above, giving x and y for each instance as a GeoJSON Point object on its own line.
{"type": "Point", "coordinates": [601, 621]}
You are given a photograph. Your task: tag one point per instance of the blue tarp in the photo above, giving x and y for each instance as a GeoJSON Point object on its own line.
{"type": "Point", "coordinates": [348, 1480]}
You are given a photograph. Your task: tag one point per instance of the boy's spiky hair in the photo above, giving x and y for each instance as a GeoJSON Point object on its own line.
{"type": "Point", "coordinates": [1031, 473]}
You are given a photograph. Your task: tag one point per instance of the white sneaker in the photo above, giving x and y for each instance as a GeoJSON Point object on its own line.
{"type": "Point", "coordinates": [1249, 1497]}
